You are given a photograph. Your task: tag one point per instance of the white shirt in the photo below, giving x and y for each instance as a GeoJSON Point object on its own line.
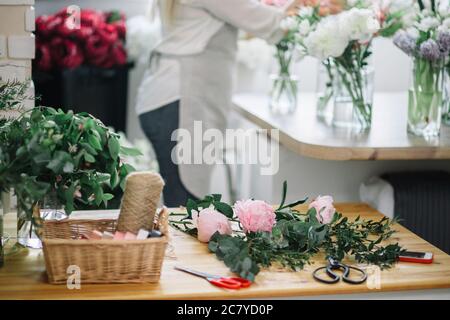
{"type": "Point", "coordinates": [195, 22]}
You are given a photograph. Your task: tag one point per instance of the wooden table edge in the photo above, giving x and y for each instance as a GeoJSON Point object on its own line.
{"type": "Point", "coordinates": [324, 152]}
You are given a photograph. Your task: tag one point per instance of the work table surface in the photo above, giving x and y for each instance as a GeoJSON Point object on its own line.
{"type": "Point", "coordinates": [306, 135]}
{"type": "Point", "coordinates": [24, 277]}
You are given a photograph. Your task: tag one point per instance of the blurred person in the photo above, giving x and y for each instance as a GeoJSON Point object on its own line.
{"type": "Point", "coordinates": [190, 76]}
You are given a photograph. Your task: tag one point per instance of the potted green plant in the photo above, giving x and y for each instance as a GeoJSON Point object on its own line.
{"type": "Point", "coordinates": [60, 158]}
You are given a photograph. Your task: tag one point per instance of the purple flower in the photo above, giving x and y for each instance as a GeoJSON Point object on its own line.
{"type": "Point", "coordinates": [430, 50]}
{"type": "Point", "coordinates": [443, 39]}
{"type": "Point", "coordinates": [405, 42]}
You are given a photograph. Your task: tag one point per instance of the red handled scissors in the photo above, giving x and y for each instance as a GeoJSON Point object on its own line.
{"type": "Point", "coordinates": [222, 282]}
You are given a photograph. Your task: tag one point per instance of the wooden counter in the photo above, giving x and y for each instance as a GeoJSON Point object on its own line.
{"type": "Point", "coordinates": [23, 276]}
{"type": "Point", "coordinates": [303, 133]}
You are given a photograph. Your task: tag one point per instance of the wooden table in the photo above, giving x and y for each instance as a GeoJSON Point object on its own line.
{"type": "Point", "coordinates": [23, 276]}
{"type": "Point", "coordinates": [303, 133]}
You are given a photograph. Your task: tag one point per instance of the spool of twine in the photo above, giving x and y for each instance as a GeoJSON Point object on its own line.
{"type": "Point", "coordinates": [140, 201]}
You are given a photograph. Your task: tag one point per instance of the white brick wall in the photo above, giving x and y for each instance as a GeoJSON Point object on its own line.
{"type": "Point", "coordinates": [17, 43]}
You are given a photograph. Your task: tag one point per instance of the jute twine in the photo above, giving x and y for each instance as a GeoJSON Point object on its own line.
{"type": "Point", "coordinates": [140, 201]}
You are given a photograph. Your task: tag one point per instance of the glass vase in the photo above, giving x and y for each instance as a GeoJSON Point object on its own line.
{"type": "Point", "coordinates": [446, 113]}
{"type": "Point", "coordinates": [324, 89]}
{"type": "Point", "coordinates": [284, 94]}
{"type": "Point", "coordinates": [353, 97]}
{"type": "Point", "coordinates": [29, 227]}
{"type": "Point", "coordinates": [426, 97]}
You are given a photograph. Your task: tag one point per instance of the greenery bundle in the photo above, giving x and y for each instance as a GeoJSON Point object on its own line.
{"type": "Point", "coordinates": [294, 238]}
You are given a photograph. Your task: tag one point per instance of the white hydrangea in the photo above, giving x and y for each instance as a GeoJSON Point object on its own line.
{"type": "Point", "coordinates": [327, 40]}
{"type": "Point", "coordinates": [358, 24]}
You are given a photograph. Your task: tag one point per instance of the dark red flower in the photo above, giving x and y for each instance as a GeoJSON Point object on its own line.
{"type": "Point", "coordinates": [119, 54]}
{"type": "Point", "coordinates": [66, 53]}
{"type": "Point", "coordinates": [96, 50]}
{"type": "Point", "coordinates": [46, 26]}
{"type": "Point", "coordinates": [43, 60]}
{"type": "Point", "coordinates": [64, 30]}
{"type": "Point", "coordinates": [108, 33]}
{"type": "Point", "coordinates": [83, 33]}
{"type": "Point", "coordinates": [98, 40]}
{"type": "Point", "coordinates": [121, 28]}
{"type": "Point", "coordinates": [91, 18]}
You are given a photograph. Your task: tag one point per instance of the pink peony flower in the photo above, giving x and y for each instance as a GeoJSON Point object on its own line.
{"type": "Point", "coordinates": [255, 215]}
{"type": "Point", "coordinates": [208, 221]}
{"type": "Point", "coordinates": [324, 208]}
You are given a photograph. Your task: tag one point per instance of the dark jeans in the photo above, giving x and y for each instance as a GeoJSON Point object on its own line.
{"type": "Point", "coordinates": [158, 126]}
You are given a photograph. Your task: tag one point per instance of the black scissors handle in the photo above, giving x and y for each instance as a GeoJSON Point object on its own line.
{"type": "Point", "coordinates": [334, 278]}
{"type": "Point", "coordinates": [361, 279]}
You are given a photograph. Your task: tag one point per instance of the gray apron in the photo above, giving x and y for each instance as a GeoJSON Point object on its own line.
{"type": "Point", "coordinates": [206, 91]}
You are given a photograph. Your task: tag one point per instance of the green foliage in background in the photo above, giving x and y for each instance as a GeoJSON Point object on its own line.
{"type": "Point", "coordinates": [12, 95]}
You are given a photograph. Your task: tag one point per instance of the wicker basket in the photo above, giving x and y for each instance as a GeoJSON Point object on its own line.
{"type": "Point", "coordinates": [102, 261]}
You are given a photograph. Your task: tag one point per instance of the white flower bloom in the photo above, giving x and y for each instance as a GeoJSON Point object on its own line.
{"type": "Point", "coordinates": [400, 5]}
{"type": "Point", "coordinates": [428, 23]}
{"type": "Point", "coordinates": [358, 24]}
{"type": "Point", "coordinates": [288, 24]}
{"type": "Point", "coordinates": [305, 12]}
{"type": "Point", "coordinates": [444, 8]}
{"type": "Point", "coordinates": [413, 32]}
{"type": "Point", "coordinates": [304, 27]}
{"type": "Point", "coordinates": [445, 26]}
{"type": "Point", "coordinates": [327, 40]}
{"type": "Point", "coordinates": [446, 23]}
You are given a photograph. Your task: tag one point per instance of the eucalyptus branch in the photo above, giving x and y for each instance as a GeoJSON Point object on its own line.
{"type": "Point", "coordinates": [295, 238]}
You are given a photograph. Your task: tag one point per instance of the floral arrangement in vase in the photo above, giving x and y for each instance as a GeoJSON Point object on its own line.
{"type": "Point", "coordinates": [98, 40]}
{"type": "Point", "coordinates": [343, 43]}
{"type": "Point", "coordinates": [252, 234]}
{"type": "Point", "coordinates": [284, 85]}
{"type": "Point", "coordinates": [427, 41]}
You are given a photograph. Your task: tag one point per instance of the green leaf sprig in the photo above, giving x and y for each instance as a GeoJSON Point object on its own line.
{"type": "Point", "coordinates": [295, 239]}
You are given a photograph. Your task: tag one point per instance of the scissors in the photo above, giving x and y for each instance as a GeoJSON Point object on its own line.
{"type": "Point", "coordinates": [222, 282]}
{"type": "Point", "coordinates": [334, 264]}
